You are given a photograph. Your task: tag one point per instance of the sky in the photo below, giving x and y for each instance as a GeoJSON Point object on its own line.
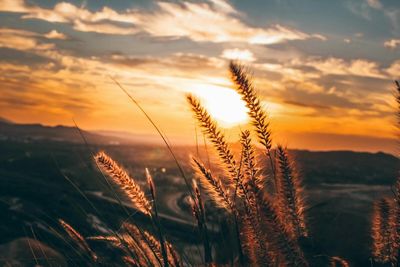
{"type": "Point", "coordinates": [324, 69]}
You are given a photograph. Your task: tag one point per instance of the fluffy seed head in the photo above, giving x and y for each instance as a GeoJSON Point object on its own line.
{"type": "Point", "coordinates": [256, 112]}
{"type": "Point", "coordinates": [124, 181]}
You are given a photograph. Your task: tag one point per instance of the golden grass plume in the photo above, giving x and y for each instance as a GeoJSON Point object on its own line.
{"type": "Point", "coordinates": [255, 110]}
{"type": "Point", "coordinates": [216, 137]}
{"type": "Point", "coordinates": [128, 185]}
{"type": "Point", "coordinates": [384, 232]}
{"type": "Point", "coordinates": [213, 186]}
{"type": "Point", "coordinates": [290, 195]}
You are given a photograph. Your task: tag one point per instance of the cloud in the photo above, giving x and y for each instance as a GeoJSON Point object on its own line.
{"type": "Point", "coordinates": [13, 6]}
{"type": "Point", "coordinates": [360, 8]}
{"type": "Point", "coordinates": [374, 4]}
{"type": "Point", "coordinates": [298, 93]}
{"type": "Point", "coordinates": [394, 70]}
{"type": "Point", "coordinates": [178, 62]}
{"type": "Point", "coordinates": [224, 6]}
{"type": "Point", "coordinates": [312, 68]}
{"type": "Point", "coordinates": [393, 14]}
{"type": "Point", "coordinates": [55, 35]}
{"type": "Point", "coordinates": [363, 9]}
{"type": "Point", "coordinates": [21, 40]}
{"type": "Point", "coordinates": [338, 66]}
{"type": "Point", "coordinates": [238, 54]}
{"type": "Point", "coordinates": [212, 21]}
{"type": "Point", "coordinates": [392, 44]}
{"type": "Point", "coordinates": [105, 28]}
{"type": "Point", "coordinates": [206, 24]}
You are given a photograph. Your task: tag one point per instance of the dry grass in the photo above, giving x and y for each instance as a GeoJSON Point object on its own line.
{"type": "Point", "coordinates": [128, 185]}
{"type": "Point", "coordinates": [290, 196]}
{"type": "Point", "coordinates": [78, 239]}
{"type": "Point", "coordinates": [213, 186]}
{"type": "Point", "coordinates": [269, 224]}
{"type": "Point", "coordinates": [384, 248]}
{"type": "Point", "coordinates": [385, 227]}
{"type": "Point", "coordinates": [264, 237]}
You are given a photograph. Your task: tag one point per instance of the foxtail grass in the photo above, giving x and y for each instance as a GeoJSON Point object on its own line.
{"type": "Point", "coordinates": [258, 115]}
{"type": "Point", "coordinates": [156, 218]}
{"type": "Point", "coordinates": [255, 110]}
{"type": "Point", "coordinates": [199, 213]}
{"type": "Point", "coordinates": [211, 130]}
{"type": "Point", "coordinates": [288, 248]}
{"type": "Point", "coordinates": [213, 186]}
{"type": "Point", "coordinates": [78, 239]}
{"type": "Point", "coordinates": [127, 184]}
{"type": "Point", "coordinates": [263, 232]}
{"type": "Point", "coordinates": [383, 232]}
{"type": "Point", "coordinates": [253, 177]}
{"type": "Point", "coordinates": [268, 226]}
{"type": "Point", "coordinates": [290, 195]}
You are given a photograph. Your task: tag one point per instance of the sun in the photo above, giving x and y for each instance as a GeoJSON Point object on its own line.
{"type": "Point", "coordinates": [223, 104]}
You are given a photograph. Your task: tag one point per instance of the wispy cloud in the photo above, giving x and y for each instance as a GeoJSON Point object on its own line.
{"type": "Point", "coordinates": [339, 66]}
{"type": "Point", "coordinates": [206, 24]}
{"type": "Point", "coordinates": [393, 15]}
{"type": "Point", "coordinates": [212, 21]}
{"type": "Point", "coordinates": [315, 67]}
{"type": "Point", "coordinates": [363, 9]}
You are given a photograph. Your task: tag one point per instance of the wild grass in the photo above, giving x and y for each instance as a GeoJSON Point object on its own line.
{"type": "Point", "coordinates": [127, 184]}
{"type": "Point", "coordinates": [385, 226]}
{"type": "Point", "coordinates": [268, 221]}
{"type": "Point", "coordinates": [383, 232]}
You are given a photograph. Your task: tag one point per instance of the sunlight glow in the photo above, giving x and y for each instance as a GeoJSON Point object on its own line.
{"type": "Point", "coordinates": [223, 104]}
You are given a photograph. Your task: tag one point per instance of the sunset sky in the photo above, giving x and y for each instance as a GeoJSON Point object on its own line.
{"type": "Point", "coordinates": [325, 69]}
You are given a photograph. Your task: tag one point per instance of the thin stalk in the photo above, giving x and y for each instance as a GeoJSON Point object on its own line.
{"type": "Point", "coordinates": [157, 219]}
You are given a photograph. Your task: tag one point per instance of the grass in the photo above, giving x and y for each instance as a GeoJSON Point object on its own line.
{"type": "Point", "coordinates": [268, 217]}
{"type": "Point", "coordinates": [385, 230]}
{"type": "Point", "coordinates": [260, 196]}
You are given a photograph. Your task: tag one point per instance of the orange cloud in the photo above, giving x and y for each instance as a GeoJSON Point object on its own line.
{"type": "Point", "coordinates": [21, 40]}
{"type": "Point", "coordinates": [394, 70]}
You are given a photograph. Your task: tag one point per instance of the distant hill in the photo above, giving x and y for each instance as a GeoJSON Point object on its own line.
{"type": "Point", "coordinates": [315, 166]}
{"type": "Point", "coordinates": [347, 167]}
{"type": "Point", "coordinates": [38, 132]}
{"type": "Point", "coordinates": [5, 120]}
